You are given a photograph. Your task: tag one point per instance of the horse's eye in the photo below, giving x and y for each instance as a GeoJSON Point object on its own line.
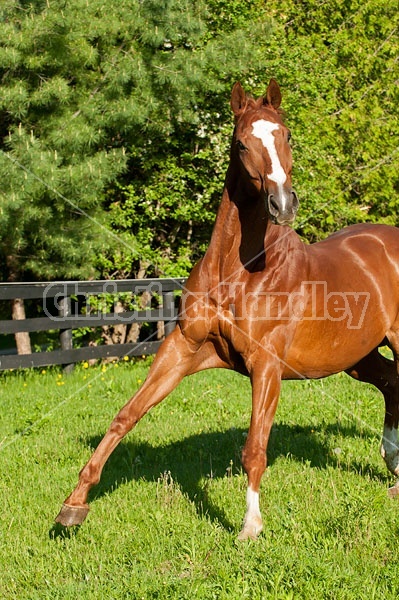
{"type": "Point", "coordinates": [241, 146]}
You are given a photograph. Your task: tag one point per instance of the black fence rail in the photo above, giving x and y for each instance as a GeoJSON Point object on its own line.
{"type": "Point", "coordinates": [61, 305]}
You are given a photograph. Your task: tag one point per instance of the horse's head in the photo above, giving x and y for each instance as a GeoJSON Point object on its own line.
{"type": "Point", "coordinates": [261, 144]}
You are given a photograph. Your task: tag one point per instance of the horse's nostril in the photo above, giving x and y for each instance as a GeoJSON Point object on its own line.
{"type": "Point", "coordinates": [273, 206]}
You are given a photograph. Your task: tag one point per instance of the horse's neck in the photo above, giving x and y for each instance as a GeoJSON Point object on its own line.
{"type": "Point", "coordinates": [224, 234]}
{"type": "Point", "coordinates": [239, 236]}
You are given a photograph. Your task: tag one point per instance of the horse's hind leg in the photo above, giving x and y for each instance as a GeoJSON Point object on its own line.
{"type": "Point", "coordinates": [383, 373]}
{"type": "Point", "coordinates": [175, 359]}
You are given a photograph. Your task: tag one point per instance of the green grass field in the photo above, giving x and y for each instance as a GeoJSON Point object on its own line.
{"type": "Point", "coordinates": [165, 517]}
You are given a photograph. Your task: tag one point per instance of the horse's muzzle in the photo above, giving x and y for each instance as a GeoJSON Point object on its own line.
{"type": "Point", "coordinates": [283, 207]}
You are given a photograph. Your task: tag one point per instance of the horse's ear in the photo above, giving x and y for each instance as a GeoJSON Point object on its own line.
{"type": "Point", "coordinates": [273, 94]}
{"type": "Point", "coordinates": [238, 99]}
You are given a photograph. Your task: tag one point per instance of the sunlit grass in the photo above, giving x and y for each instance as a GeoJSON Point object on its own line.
{"type": "Point", "coordinates": [165, 517]}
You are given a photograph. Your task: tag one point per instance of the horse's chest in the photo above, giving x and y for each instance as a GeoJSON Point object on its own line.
{"type": "Point", "coordinates": [244, 314]}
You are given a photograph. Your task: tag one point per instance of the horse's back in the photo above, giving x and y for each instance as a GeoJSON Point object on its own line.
{"type": "Point", "coordinates": [352, 299]}
{"type": "Point", "coordinates": [368, 233]}
{"type": "Point", "coordinates": [357, 251]}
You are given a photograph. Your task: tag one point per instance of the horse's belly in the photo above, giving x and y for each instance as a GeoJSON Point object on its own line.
{"type": "Point", "coordinates": [323, 349]}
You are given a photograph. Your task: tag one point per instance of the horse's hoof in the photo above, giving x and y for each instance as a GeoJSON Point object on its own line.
{"type": "Point", "coordinates": [250, 531]}
{"type": "Point", "coordinates": [246, 535]}
{"type": "Point", "coordinates": [393, 491]}
{"type": "Point", "coordinates": [72, 515]}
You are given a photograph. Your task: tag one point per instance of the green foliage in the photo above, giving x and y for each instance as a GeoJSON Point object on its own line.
{"type": "Point", "coordinates": [115, 123]}
{"type": "Point", "coordinates": [336, 66]}
{"type": "Point", "coordinates": [56, 157]}
{"type": "Point", "coordinates": [337, 63]}
{"type": "Point", "coordinates": [169, 208]}
{"type": "Point", "coordinates": [44, 233]}
{"type": "Point", "coordinates": [88, 89]}
{"type": "Point", "coordinates": [166, 204]}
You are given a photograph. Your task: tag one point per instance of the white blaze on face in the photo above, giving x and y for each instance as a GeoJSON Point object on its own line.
{"type": "Point", "coordinates": [263, 130]}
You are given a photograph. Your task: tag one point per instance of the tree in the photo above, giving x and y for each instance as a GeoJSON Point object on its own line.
{"type": "Point", "coordinates": [84, 89]}
{"type": "Point", "coordinates": [166, 202]}
{"type": "Point", "coordinates": [338, 64]}
{"type": "Point", "coordinates": [87, 89]}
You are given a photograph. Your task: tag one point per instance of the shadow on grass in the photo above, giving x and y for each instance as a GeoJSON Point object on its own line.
{"type": "Point", "coordinates": [58, 531]}
{"type": "Point", "coordinates": [215, 455]}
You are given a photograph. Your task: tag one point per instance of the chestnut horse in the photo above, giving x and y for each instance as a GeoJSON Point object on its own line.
{"type": "Point", "coordinates": [267, 305]}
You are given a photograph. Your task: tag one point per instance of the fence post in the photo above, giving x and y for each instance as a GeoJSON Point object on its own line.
{"type": "Point", "coordinates": [64, 310]}
{"type": "Point", "coordinates": [169, 312]}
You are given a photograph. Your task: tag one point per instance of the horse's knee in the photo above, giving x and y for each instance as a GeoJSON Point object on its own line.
{"type": "Point", "coordinates": [254, 460]}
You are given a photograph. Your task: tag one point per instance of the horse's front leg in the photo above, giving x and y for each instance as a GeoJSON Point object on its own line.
{"type": "Point", "coordinates": [175, 359]}
{"type": "Point", "coordinates": [266, 384]}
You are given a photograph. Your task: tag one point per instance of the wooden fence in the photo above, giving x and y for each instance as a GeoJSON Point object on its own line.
{"type": "Point", "coordinates": [60, 305]}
